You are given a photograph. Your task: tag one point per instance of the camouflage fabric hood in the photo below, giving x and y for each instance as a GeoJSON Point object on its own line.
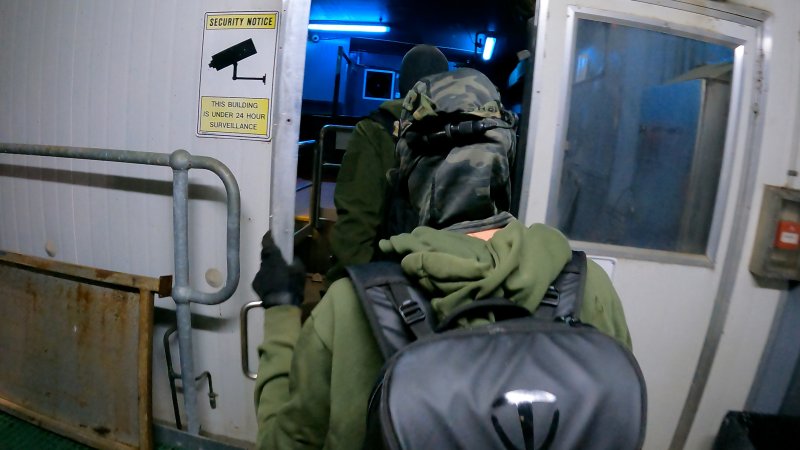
{"type": "Point", "coordinates": [455, 146]}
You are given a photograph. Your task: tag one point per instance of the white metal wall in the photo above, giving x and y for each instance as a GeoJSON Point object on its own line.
{"type": "Point", "coordinates": [754, 304]}
{"type": "Point", "coordinates": [124, 75]}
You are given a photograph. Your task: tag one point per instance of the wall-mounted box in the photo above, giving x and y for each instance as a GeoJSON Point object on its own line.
{"type": "Point", "coordinates": [776, 252]}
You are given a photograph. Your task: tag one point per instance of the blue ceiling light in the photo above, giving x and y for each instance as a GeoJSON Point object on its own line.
{"type": "Point", "coordinates": [348, 27]}
{"type": "Point", "coordinates": [488, 48]}
{"type": "Point", "coordinates": [484, 43]}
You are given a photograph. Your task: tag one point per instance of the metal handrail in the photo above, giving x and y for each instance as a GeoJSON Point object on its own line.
{"type": "Point", "coordinates": [182, 293]}
{"type": "Point", "coordinates": [314, 222]}
{"type": "Point", "coordinates": [243, 338]}
{"type": "Point", "coordinates": [300, 145]}
{"type": "Point", "coordinates": [319, 162]}
{"type": "Point", "coordinates": [337, 80]}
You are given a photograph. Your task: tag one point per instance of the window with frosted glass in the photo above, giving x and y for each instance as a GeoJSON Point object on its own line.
{"type": "Point", "coordinates": [645, 138]}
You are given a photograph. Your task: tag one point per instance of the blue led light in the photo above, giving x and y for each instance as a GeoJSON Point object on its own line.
{"type": "Point", "coordinates": [488, 48]}
{"type": "Point", "coordinates": [348, 27]}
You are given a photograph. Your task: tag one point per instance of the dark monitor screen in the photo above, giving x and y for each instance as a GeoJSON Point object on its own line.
{"type": "Point", "coordinates": [378, 84]}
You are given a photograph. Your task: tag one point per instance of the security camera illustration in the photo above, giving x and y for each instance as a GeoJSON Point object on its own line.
{"type": "Point", "coordinates": [232, 55]}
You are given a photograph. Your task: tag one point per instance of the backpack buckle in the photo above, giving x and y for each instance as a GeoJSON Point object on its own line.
{"type": "Point", "coordinates": [569, 320]}
{"type": "Point", "coordinates": [411, 312]}
{"type": "Point", "coordinates": [551, 296]}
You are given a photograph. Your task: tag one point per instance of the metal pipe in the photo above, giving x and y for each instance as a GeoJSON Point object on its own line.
{"type": "Point", "coordinates": [181, 292]}
{"type": "Point", "coordinates": [212, 396]}
{"type": "Point", "coordinates": [172, 376]}
{"type": "Point", "coordinates": [233, 223]}
{"type": "Point", "coordinates": [337, 80]}
{"type": "Point", "coordinates": [316, 181]}
{"type": "Point", "coordinates": [97, 154]}
{"type": "Point", "coordinates": [184, 315]}
{"type": "Point", "coordinates": [287, 104]}
{"type": "Point", "coordinates": [346, 58]}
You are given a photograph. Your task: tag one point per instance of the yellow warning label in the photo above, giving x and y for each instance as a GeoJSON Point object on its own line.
{"type": "Point", "coordinates": [240, 21]}
{"type": "Point", "coordinates": [232, 115]}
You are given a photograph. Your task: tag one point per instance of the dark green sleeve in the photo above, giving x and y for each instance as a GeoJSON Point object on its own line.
{"type": "Point", "coordinates": [602, 307]}
{"type": "Point", "coordinates": [293, 386]}
{"type": "Point", "coordinates": [360, 196]}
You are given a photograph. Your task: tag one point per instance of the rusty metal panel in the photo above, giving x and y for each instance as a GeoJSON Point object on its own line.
{"type": "Point", "coordinates": [75, 351]}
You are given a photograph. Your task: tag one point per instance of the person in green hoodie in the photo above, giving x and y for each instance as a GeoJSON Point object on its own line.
{"type": "Point", "coordinates": [314, 379]}
{"type": "Point", "coordinates": [360, 194]}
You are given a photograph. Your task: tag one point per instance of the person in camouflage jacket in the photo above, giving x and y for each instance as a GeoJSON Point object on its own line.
{"type": "Point", "coordinates": [361, 186]}
{"type": "Point", "coordinates": [314, 380]}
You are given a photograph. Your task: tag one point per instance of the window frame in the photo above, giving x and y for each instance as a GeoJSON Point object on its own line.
{"type": "Point", "coordinates": [736, 108]}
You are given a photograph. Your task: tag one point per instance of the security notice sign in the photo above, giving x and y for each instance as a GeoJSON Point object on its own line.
{"type": "Point", "coordinates": [236, 74]}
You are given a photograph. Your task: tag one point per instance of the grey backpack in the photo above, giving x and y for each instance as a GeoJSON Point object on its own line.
{"type": "Point", "coordinates": [527, 381]}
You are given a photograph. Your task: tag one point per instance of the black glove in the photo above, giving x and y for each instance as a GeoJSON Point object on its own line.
{"type": "Point", "coordinates": [276, 282]}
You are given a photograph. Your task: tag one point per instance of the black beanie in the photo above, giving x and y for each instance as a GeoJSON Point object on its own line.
{"type": "Point", "coordinates": [421, 61]}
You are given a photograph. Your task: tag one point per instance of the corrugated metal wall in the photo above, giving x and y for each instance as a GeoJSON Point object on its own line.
{"type": "Point", "coordinates": [125, 75]}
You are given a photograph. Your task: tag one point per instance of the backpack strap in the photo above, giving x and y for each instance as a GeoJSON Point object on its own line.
{"type": "Point", "coordinates": [398, 312]}
{"type": "Point", "coordinates": [563, 299]}
{"type": "Point", "coordinates": [503, 309]}
{"type": "Point", "coordinates": [398, 215]}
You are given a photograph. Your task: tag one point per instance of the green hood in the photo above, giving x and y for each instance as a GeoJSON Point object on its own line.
{"type": "Point", "coordinates": [393, 107]}
{"type": "Point", "coordinates": [517, 263]}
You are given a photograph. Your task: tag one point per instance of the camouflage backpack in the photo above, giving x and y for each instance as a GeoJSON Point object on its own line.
{"type": "Point", "coordinates": [455, 146]}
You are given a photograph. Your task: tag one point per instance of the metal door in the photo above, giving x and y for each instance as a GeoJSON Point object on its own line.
{"type": "Point", "coordinates": [640, 148]}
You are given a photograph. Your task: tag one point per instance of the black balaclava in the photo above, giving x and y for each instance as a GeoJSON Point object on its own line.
{"type": "Point", "coordinates": [420, 61]}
